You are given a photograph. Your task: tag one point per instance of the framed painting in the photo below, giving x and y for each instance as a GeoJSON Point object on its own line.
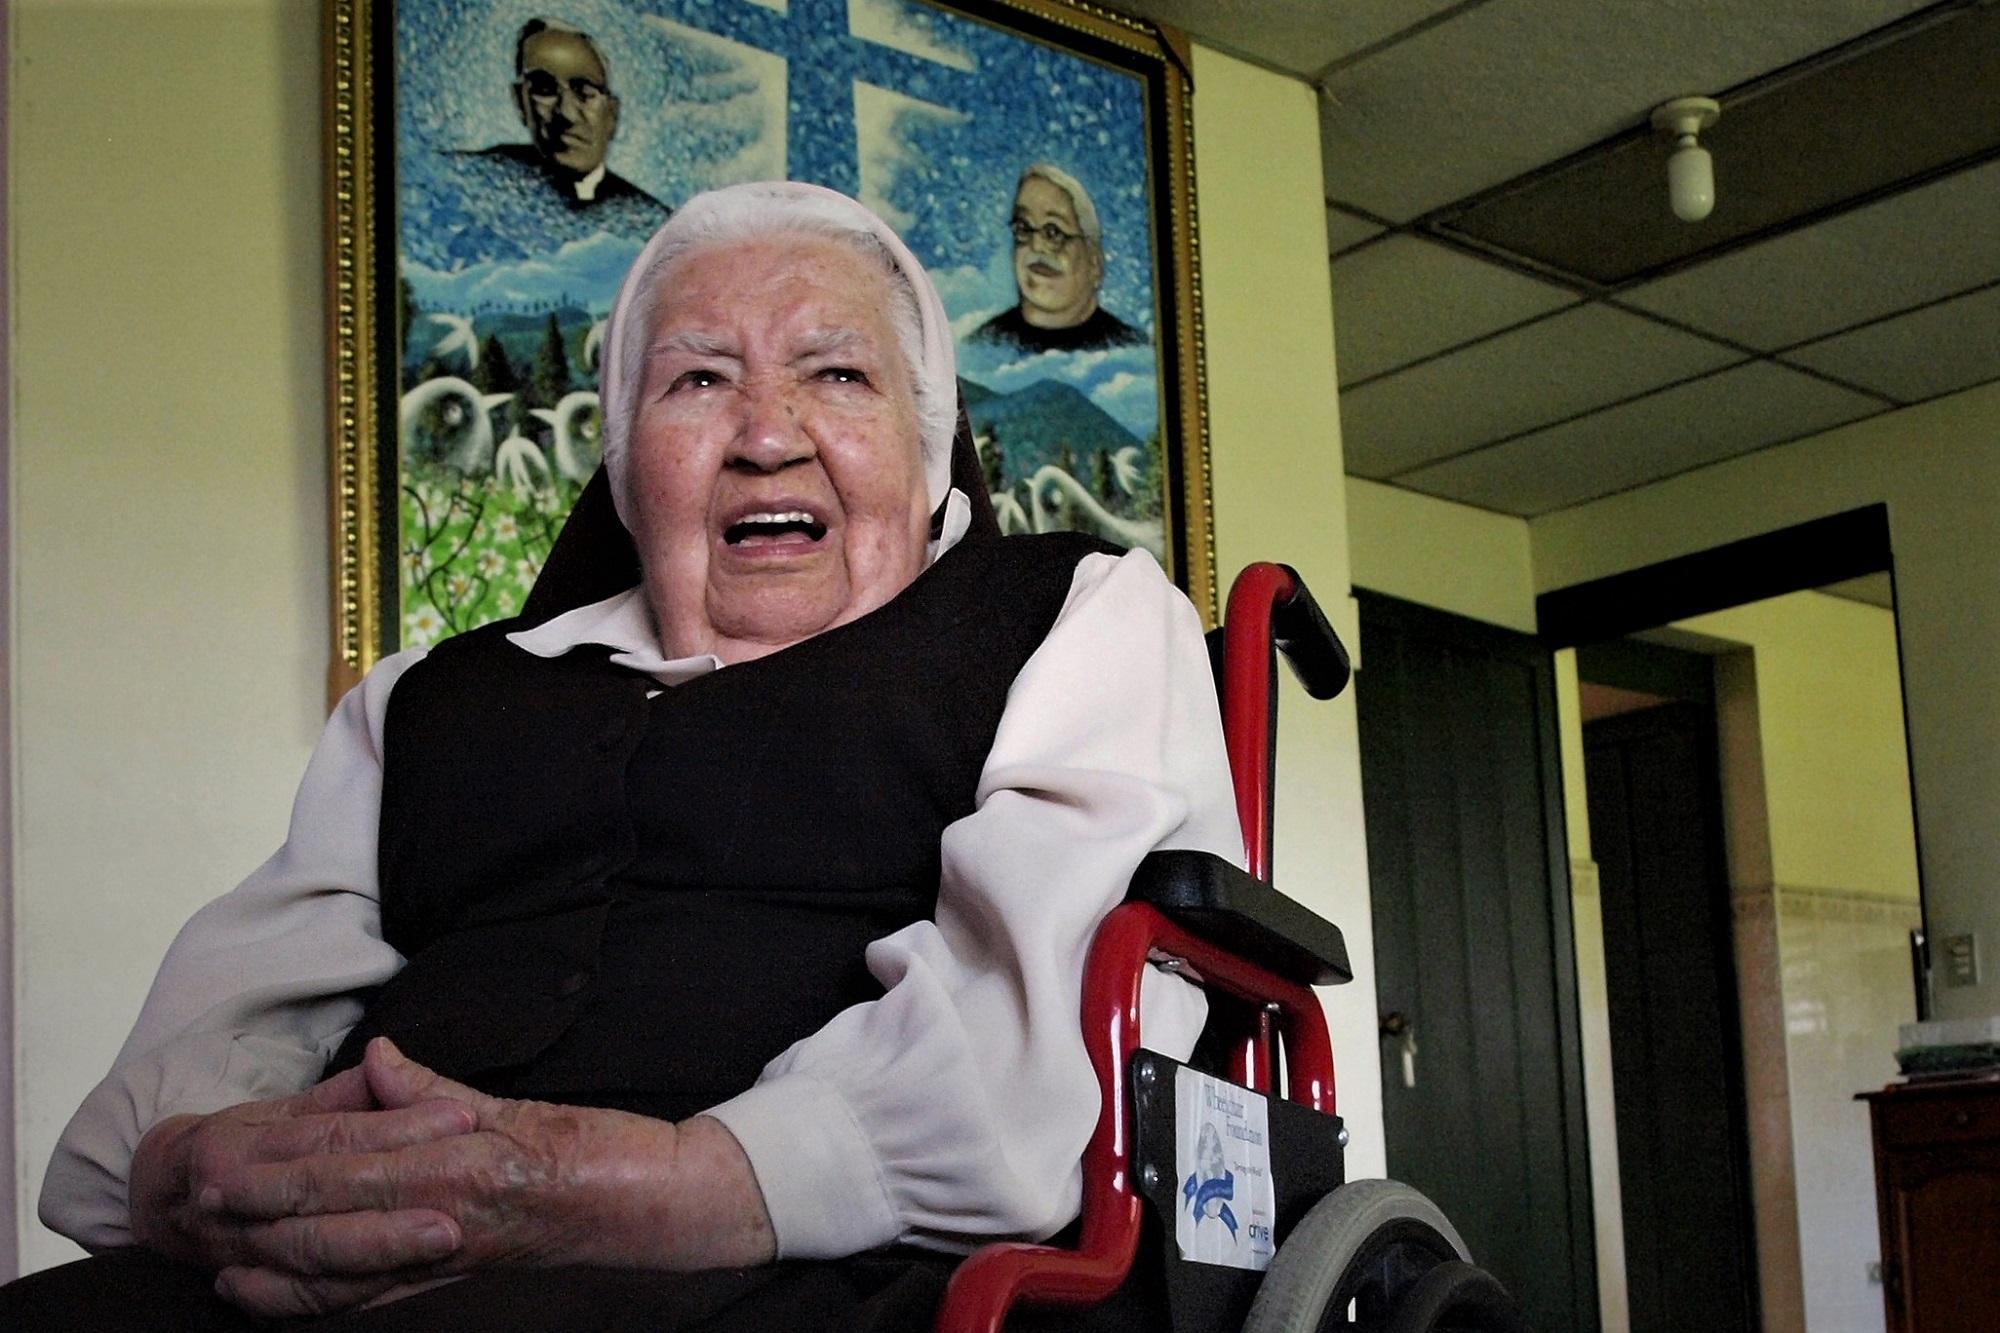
{"type": "Point", "coordinates": [494, 166]}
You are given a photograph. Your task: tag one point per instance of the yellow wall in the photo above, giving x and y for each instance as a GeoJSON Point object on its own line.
{"type": "Point", "coordinates": [1280, 494]}
{"type": "Point", "coordinates": [1438, 553]}
{"type": "Point", "coordinates": [1593, 1008]}
{"type": "Point", "coordinates": [1937, 467]}
{"type": "Point", "coordinates": [168, 470]}
{"type": "Point", "coordinates": [1830, 718]}
{"type": "Point", "coordinates": [169, 493]}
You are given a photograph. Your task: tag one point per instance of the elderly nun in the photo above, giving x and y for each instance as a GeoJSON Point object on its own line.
{"type": "Point", "coordinates": [733, 923]}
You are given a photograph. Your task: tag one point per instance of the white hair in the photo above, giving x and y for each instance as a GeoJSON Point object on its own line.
{"type": "Point", "coordinates": [747, 212]}
{"type": "Point", "coordinates": [1079, 198]}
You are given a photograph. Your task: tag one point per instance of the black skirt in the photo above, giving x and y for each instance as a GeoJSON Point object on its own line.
{"type": "Point", "coordinates": [885, 1291]}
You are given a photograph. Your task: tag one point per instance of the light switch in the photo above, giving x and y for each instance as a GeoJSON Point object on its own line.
{"type": "Point", "coordinates": [1961, 960]}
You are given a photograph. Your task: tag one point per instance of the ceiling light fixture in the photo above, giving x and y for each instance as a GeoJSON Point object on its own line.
{"type": "Point", "coordinates": [1690, 172]}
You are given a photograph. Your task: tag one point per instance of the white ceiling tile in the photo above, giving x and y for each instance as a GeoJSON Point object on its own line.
{"type": "Point", "coordinates": [1403, 298]}
{"type": "Point", "coordinates": [1303, 36]}
{"type": "Point", "coordinates": [1703, 421]}
{"type": "Point", "coordinates": [1343, 230]}
{"type": "Point", "coordinates": [1898, 252]}
{"type": "Point", "coordinates": [1938, 349]}
{"type": "Point", "coordinates": [1513, 382]}
{"type": "Point", "coordinates": [1358, 24]}
{"type": "Point", "coordinates": [1513, 84]}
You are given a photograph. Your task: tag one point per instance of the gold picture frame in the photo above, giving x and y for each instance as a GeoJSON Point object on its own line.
{"type": "Point", "coordinates": [374, 161]}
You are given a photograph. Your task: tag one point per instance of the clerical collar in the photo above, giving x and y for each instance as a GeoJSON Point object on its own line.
{"type": "Point", "coordinates": [586, 188]}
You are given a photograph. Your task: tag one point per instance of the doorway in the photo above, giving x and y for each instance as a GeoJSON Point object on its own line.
{"type": "Point", "coordinates": [1670, 1005]}
{"type": "Point", "coordinates": [1809, 768]}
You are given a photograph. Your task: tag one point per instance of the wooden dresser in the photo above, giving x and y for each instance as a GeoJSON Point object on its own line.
{"type": "Point", "coordinates": [1937, 1191]}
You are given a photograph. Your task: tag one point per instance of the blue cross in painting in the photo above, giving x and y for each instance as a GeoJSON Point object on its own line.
{"type": "Point", "coordinates": [824, 60]}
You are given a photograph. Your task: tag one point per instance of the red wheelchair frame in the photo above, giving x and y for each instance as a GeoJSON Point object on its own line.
{"type": "Point", "coordinates": [1259, 955]}
{"type": "Point", "coordinates": [1269, 607]}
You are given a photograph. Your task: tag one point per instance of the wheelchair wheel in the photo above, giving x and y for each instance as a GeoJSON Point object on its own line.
{"type": "Point", "coordinates": [1456, 1296]}
{"type": "Point", "coordinates": [1368, 1243]}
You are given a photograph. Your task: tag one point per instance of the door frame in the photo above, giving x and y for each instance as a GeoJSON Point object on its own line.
{"type": "Point", "coordinates": [1791, 559]}
{"type": "Point", "coordinates": [1805, 555]}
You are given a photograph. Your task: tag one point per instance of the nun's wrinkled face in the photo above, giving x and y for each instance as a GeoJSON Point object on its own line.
{"type": "Point", "coordinates": [776, 475]}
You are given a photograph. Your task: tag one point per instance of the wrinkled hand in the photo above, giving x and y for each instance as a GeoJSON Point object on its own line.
{"type": "Point", "coordinates": [532, 1183]}
{"type": "Point", "coordinates": [181, 1164]}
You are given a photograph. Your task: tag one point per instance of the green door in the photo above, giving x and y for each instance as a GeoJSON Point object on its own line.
{"type": "Point", "coordinates": [1469, 878]}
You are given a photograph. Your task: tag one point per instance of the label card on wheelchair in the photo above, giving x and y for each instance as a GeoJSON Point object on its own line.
{"type": "Point", "coordinates": [1223, 1152]}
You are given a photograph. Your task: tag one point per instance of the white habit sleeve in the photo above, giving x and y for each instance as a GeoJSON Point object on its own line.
{"type": "Point", "coordinates": [957, 1106]}
{"type": "Point", "coordinates": [259, 987]}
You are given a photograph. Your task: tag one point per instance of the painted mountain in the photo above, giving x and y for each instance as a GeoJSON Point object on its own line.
{"type": "Point", "coordinates": [1035, 425]}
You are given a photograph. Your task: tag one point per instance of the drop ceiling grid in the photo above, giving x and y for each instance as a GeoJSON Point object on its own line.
{"type": "Point", "coordinates": [1903, 251]}
{"type": "Point", "coordinates": [1344, 230]}
{"type": "Point", "coordinates": [1299, 36]}
{"type": "Point", "coordinates": [1735, 411]}
{"type": "Point", "coordinates": [1556, 367]}
{"type": "Point", "coordinates": [1899, 308]}
{"type": "Point", "coordinates": [1941, 348]}
{"type": "Point", "coordinates": [1404, 300]}
{"type": "Point", "coordinates": [1549, 77]}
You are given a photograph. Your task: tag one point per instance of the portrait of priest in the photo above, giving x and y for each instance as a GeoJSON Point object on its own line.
{"type": "Point", "coordinates": [518, 199]}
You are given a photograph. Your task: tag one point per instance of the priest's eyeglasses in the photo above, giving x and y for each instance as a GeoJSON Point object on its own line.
{"type": "Point", "coordinates": [1054, 237]}
{"type": "Point", "coordinates": [546, 90]}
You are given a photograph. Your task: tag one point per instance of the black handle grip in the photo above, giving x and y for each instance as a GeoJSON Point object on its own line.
{"type": "Point", "coordinates": [1308, 642]}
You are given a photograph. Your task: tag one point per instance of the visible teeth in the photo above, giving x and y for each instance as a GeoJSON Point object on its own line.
{"type": "Point", "coordinates": [788, 516]}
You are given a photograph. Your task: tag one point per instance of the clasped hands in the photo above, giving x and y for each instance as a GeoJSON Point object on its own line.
{"type": "Point", "coordinates": [389, 1177]}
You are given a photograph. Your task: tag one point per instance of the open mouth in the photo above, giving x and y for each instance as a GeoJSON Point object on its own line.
{"type": "Point", "coordinates": [774, 528]}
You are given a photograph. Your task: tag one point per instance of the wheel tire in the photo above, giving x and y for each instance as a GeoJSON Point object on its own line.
{"type": "Point", "coordinates": [1368, 1240]}
{"type": "Point", "coordinates": [1457, 1296]}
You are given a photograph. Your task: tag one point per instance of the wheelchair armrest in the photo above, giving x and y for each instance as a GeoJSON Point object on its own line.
{"type": "Point", "coordinates": [1241, 913]}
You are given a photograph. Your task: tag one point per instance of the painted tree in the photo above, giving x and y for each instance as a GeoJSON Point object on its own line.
{"type": "Point", "coordinates": [992, 463]}
{"type": "Point", "coordinates": [1152, 478]}
{"type": "Point", "coordinates": [549, 380]}
{"type": "Point", "coordinates": [496, 374]}
{"type": "Point", "coordinates": [406, 310]}
{"type": "Point", "coordinates": [1103, 481]}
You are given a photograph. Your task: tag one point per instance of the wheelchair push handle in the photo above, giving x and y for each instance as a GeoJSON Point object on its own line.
{"type": "Point", "coordinates": [1303, 634]}
{"type": "Point", "coordinates": [1270, 611]}
{"type": "Point", "coordinates": [1270, 605]}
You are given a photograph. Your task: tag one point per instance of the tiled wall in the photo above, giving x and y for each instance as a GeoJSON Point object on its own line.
{"type": "Point", "coordinates": [1845, 958]}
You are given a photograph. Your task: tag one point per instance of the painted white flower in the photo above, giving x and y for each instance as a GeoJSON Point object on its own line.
{"type": "Point", "coordinates": [416, 564]}
{"type": "Point", "coordinates": [505, 529]}
{"type": "Point", "coordinates": [423, 626]}
{"type": "Point", "coordinates": [458, 584]}
{"type": "Point", "coordinates": [490, 563]}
